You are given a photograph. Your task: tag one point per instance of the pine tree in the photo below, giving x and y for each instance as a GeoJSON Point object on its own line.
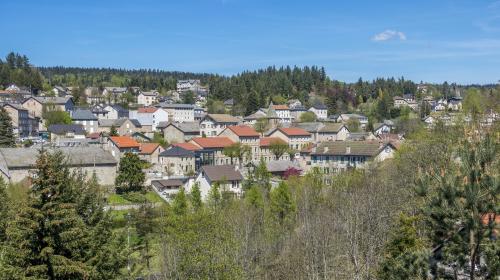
{"type": "Point", "coordinates": [282, 205]}
{"type": "Point", "coordinates": [196, 197]}
{"type": "Point", "coordinates": [47, 239]}
{"type": "Point", "coordinates": [130, 176]}
{"type": "Point", "coordinates": [113, 131]}
{"type": "Point", "coordinates": [6, 130]}
{"type": "Point", "coordinates": [180, 204]}
{"type": "Point", "coordinates": [252, 103]}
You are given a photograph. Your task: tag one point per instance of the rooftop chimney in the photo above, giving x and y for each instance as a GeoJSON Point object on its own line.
{"type": "Point", "coordinates": [348, 150]}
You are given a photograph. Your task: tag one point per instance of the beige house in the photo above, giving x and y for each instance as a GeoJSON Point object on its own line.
{"type": "Point", "coordinates": [297, 138]}
{"type": "Point", "coordinates": [17, 164]}
{"type": "Point", "coordinates": [175, 132]}
{"type": "Point", "coordinates": [246, 135]}
{"type": "Point", "coordinates": [211, 150]}
{"type": "Point", "coordinates": [214, 124]}
{"type": "Point", "coordinates": [150, 152]}
{"type": "Point", "coordinates": [265, 152]}
{"type": "Point", "coordinates": [177, 161]}
{"type": "Point", "coordinates": [123, 126]}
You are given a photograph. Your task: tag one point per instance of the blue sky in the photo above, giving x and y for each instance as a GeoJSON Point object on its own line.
{"type": "Point", "coordinates": [429, 40]}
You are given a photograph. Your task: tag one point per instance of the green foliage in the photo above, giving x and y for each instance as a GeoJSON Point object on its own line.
{"type": "Point", "coordinates": [130, 177]}
{"type": "Point", "coordinates": [4, 207]}
{"type": "Point", "coordinates": [261, 125]}
{"type": "Point", "coordinates": [196, 202]}
{"type": "Point", "coordinates": [457, 199]}
{"type": "Point", "coordinates": [353, 125]}
{"type": "Point", "coordinates": [405, 254]}
{"type": "Point", "coordinates": [17, 69]}
{"type": "Point", "coordinates": [216, 107]}
{"type": "Point", "coordinates": [113, 131]}
{"type": "Point", "coordinates": [308, 117]}
{"type": "Point", "coordinates": [6, 130]}
{"type": "Point", "coordinates": [188, 98]}
{"type": "Point", "coordinates": [282, 205]}
{"type": "Point", "coordinates": [56, 117]}
{"type": "Point", "coordinates": [61, 231]}
{"type": "Point", "coordinates": [158, 138]}
{"type": "Point", "coordinates": [180, 203]}
{"type": "Point", "coordinates": [239, 151]}
{"type": "Point", "coordinates": [278, 149]}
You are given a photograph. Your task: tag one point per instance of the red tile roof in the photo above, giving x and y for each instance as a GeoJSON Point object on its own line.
{"type": "Point", "coordinates": [280, 107]}
{"type": "Point", "coordinates": [244, 130]}
{"type": "Point", "coordinates": [124, 142]}
{"type": "Point", "coordinates": [147, 110]}
{"type": "Point", "coordinates": [148, 148]}
{"type": "Point", "coordinates": [266, 141]}
{"type": "Point", "coordinates": [294, 131]}
{"type": "Point", "coordinates": [187, 146]}
{"type": "Point", "coordinates": [212, 142]}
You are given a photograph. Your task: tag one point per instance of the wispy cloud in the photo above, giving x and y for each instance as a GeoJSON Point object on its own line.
{"type": "Point", "coordinates": [389, 34]}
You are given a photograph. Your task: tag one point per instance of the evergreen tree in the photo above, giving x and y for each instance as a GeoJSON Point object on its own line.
{"type": "Point", "coordinates": [196, 197]}
{"type": "Point", "coordinates": [180, 204]}
{"type": "Point", "coordinates": [4, 213]}
{"type": "Point", "coordinates": [282, 205]}
{"type": "Point", "coordinates": [113, 131]}
{"type": "Point", "coordinates": [130, 176]}
{"type": "Point", "coordinates": [6, 130]}
{"type": "Point", "coordinates": [252, 103]}
{"type": "Point", "coordinates": [47, 239]}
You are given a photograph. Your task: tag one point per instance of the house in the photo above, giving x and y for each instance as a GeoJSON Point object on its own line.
{"type": "Point", "coordinates": [9, 96]}
{"type": "Point", "coordinates": [295, 137]}
{"type": "Point", "coordinates": [265, 152]}
{"type": "Point", "coordinates": [279, 167]}
{"type": "Point", "coordinates": [229, 103]}
{"type": "Point", "coordinates": [17, 164]}
{"type": "Point", "coordinates": [178, 112]}
{"type": "Point", "coordinates": [333, 132]}
{"type": "Point", "coordinates": [211, 150]}
{"type": "Point", "coordinates": [361, 136]}
{"type": "Point", "coordinates": [332, 157]}
{"type": "Point", "coordinates": [86, 119]}
{"type": "Point", "coordinates": [283, 112]}
{"type": "Point", "coordinates": [228, 177]}
{"type": "Point", "coordinates": [199, 113]}
{"type": "Point", "coordinates": [311, 127]}
{"type": "Point", "coordinates": [175, 132]}
{"type": "Point", "coordinates": [253, 118]}
{"type": "Point", "coordinates": [246, 135]}
{"type": "Point", "coordinates": [177, 161]}
{"type": "Point", "coordinates": [150, 116]}
{"type": "Point", "coordinates": [61, 91]}
{"type": "Point", "coordinates": [66, 131]}
{"type": "Point", "coordinates": [147, 98]}
{"type": "Point", "coordinates": [381, 128]}
{"type": "Point", "coordinates": [214, 124]}
{"type": "Point", "coordinates": [123, 126]}
{"type": "Point", "coordinates": [344, 118]}
{"type": "Point", "coordinates": [113, 94]}
{"type": "Point", "coordinates": [297, 111]}
{"type": "Point", "coordinates": [292, 103]}
{"type": "Point", "coordinates": [37, 105]}
{"type": "Point", "coordinates": [149, 152]}
{"type": "Point", "coordinates": [168, 188]}
{"type": "Point", "coordinates": [99, 112]}
{"type": "Point", "coordinates": [119, 145]}
{"type": "Point", "coordinates": [187, 146]}
{"type": "Point", "coordinates": [191, 85]}
{"type": "Point", "coordinates": [21, 122]}
{"type": "Point", "coordinates": [141, 137]}
{"type": "Point", "coordinates": [441, 105]}
{"type": "Point", "coordinates": [116, 112]}
{"type": "Point", "coordinates": [320, 110]}
{"type": "Point", "coordinates": [455, 103]}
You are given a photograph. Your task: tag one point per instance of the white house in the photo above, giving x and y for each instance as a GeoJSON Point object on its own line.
{"type": "Point", "coordinates": [283, 112]}
{"type": "Point", "coordinates": [381, 128]}
{"type": "Point", "coordinates": [116, 112]}
{"type": "Point", "coordinates": [228, 176]}
{"type": "Point", "coordinates": [320, 110]}
{"type": "Point", "coordinates": [214, 124]}
{"type": "Point", "coordinates": [179, 112]}
{"type": "Point", "coordinates": [150, 116]}
{"type": "Point", "coordinates": [147, 98]}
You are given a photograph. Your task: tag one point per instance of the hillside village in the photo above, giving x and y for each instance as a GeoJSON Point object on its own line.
{"type": "Point", "coordinates": [193, 141]}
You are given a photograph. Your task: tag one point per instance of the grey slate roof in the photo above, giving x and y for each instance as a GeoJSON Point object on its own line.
{"type": "Point", "coordinates": [54, 100]}
{"type": "Point", "coordinates": [168, 184]}
{"type": "Point", "coordinates": [175, 106]}
{"type": "Point", "coordinates": [280, 165]}
{"type": "Point", "coordinates": [177, 151]}
{"type": "Point", "coordinates": [76, 156]}
{"type": "Point", "coordinates": [355, 148]}
{"type": "Point", "coordinates": [117, 122]}
{"type": "Point", "coordinates": [331, 127]}
{"type": "Point", "coordinates": [186, 127]}
{"type": "Point", "coordinates": [311, 127]}
{"type": "Point", "coordinates": [83, 114]}
{"type": "Point", "coordinates": [217, 173]}
{"type": "Point", "coordinates": [320, 106]}
{"type": "Point", "coordinates": [223, 118]}
{"type": "Point", "coordinates": [65, 128]}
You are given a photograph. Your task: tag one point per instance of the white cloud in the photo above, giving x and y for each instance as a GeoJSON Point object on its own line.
{"type": "Point", "coordinates": [389, 34]}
